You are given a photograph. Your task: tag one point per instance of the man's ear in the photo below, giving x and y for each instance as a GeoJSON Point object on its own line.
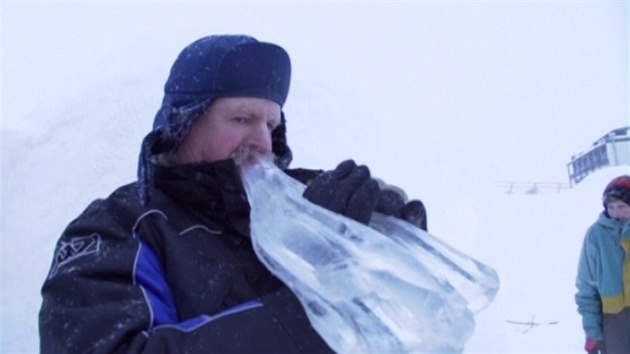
{"type": "Point", "coordinates": [279, 146]}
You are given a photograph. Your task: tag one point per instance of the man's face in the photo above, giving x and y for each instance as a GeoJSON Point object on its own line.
{"type": "Point", "coordinates": [618, 210]}
{"type": "Point", "coordinates": [227, 126]}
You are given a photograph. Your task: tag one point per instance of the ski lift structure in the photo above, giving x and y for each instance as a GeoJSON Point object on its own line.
{"type": "Point", "coordinates": [531, 188]}
{"type": "Point", "coordinates": [613, 149]}
{"type": "Point", "coordinates": [529, 325]}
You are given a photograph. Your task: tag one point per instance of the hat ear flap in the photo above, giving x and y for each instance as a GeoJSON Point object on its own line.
{"type": "Point", "coordinates": [280, 148]}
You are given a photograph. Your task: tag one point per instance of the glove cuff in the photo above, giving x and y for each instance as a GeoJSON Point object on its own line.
{"type": "Point", "coordinates": [591, 344]}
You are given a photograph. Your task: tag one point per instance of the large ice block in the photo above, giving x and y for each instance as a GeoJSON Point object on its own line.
{"type": "Point", "coordinates": [389, 287]}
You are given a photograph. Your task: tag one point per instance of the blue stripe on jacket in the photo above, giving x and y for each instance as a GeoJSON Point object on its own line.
{"type": "Point", "coordinates": [150, 276]}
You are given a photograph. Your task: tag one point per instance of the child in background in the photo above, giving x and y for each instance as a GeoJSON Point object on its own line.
{"type": "Point", "coordinates": [603, 279]}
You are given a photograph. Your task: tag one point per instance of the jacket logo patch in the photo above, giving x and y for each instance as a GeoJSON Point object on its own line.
{"type": "Point", "coordinates": [77, 247]}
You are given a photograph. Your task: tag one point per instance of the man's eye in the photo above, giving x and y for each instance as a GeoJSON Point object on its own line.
{"type": "Point", "coordinates": [240, 120]}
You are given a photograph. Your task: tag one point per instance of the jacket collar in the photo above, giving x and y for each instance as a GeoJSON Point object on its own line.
{"type": "Point", "coordinates": [209, 189]}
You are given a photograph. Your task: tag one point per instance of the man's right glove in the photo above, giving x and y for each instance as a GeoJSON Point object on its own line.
{"type": "Point", "coordinates": [348, 190]}
{"type": "Point", "coordinates": [593, 346]}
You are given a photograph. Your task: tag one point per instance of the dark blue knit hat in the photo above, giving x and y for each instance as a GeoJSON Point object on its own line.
{"type": "Point", "coordinates": [207, 69]}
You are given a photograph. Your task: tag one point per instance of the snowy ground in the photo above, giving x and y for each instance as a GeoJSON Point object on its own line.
{"type": "Point", "coordinates": [531, 240]}
{"type": "Point", "coordinates": [442, 100]}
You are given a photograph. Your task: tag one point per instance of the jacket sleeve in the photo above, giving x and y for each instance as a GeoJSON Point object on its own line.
{"type": "Point", "coordinates": [106, 293]}
{"type": "Point", "coordinates": [587, 297]}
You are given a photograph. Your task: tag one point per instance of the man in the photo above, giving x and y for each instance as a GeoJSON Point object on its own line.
{"type": "Point", "coordinates": [165, 264]}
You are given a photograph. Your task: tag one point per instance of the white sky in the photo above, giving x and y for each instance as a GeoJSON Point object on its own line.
{"type": "Point", "coordinates": [463, 77]}
{"type": "Point", "coordinates": [441, 98]}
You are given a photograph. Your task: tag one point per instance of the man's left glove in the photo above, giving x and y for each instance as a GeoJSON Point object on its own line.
{"type": "Point", "coordinates": [348, 190]}
{"type": "Point", "coordinates": [393, 201]}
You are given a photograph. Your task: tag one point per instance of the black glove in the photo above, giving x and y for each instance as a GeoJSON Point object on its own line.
{"type": "Point", "coordinates": [349, 190]}
{"type": "Point", "coordinates": [393, 201]}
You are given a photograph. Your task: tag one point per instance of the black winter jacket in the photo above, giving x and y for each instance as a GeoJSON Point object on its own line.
{"type": "Point", "coordinates": [178, 275]}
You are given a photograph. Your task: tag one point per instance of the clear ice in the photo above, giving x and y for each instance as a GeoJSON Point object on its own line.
{"type": "Point", "coordinates": [389, 287]}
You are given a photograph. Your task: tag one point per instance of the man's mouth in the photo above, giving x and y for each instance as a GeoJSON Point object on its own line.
{"type": "Point", "coordinates": [246, 156]}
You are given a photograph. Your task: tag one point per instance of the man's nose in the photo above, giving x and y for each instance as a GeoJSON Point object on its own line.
{"type": "Point", "coordinates": [260, 139]}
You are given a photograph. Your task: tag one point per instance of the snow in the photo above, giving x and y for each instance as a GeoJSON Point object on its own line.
{"type": "Point", "coordinates": [442, 99]}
